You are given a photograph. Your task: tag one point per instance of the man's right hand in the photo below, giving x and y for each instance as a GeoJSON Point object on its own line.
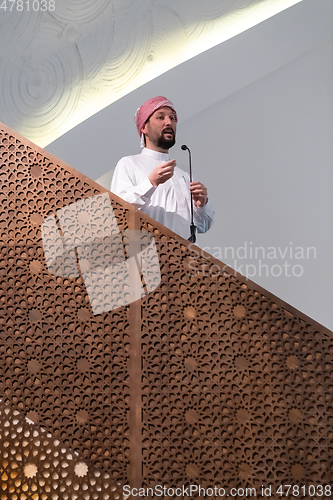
{"type": "Point", "coordinates": [162, 172]}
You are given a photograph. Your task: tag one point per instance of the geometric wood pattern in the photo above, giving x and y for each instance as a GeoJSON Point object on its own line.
{"type": "Point", "coordinates": [208, 380]}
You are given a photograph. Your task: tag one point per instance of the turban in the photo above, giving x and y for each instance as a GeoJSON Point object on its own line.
{"type": "Point", "coordinates": [148, 108]}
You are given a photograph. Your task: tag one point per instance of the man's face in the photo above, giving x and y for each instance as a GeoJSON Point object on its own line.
{"type": "Point", "coordinates": [160, 129]}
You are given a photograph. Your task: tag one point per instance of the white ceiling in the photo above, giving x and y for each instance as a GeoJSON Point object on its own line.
{"type": "Point", "coordinates": [61, 66]}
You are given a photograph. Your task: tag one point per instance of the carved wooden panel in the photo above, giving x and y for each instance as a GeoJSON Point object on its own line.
{"type": "Point", "coordinates": [206, 379]}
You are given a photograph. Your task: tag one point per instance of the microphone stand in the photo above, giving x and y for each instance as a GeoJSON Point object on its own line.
{"type": "Point", "coordinates": [193, 228]}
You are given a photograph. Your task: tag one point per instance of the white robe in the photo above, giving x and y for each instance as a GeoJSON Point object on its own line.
{"type": "Point", "coordinates": [168, 203]}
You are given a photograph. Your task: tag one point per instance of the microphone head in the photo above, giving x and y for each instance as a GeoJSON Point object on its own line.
{"type": "Point", "coordinates": [184, 147]}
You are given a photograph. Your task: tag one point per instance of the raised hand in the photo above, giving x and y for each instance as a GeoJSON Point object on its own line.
{"type": "Point", "coordinates": [162, 172]}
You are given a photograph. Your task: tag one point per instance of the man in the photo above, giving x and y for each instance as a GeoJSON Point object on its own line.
{"type": "Point", "coordinates": [152, 182]}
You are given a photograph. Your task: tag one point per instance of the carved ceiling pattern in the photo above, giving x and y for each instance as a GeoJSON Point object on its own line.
{"type": "Point", "coordinates": [208, 379]}
{"type": "Point", "coordinates": [65, 60]}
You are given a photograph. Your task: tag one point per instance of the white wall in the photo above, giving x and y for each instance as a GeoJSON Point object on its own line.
{"type": "Point", "coordinates": [270, 149]}
{"type": "Point", "coordinates": [257, 112]}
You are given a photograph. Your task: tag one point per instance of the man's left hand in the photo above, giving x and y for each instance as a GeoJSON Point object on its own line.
{"type": "Point", "coordinates": [199, 194]}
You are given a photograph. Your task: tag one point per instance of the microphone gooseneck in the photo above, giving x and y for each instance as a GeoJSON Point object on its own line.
{"type": "Point", "coordinates": [193, 228]}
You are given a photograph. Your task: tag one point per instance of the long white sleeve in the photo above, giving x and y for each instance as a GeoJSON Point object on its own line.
{"type": "Point", "coordinates": [124, 184]}
{"type": "Point", "coordinates": [203, 217]}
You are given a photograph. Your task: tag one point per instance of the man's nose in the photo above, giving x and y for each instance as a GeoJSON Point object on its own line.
{"type": "Point", "coordinates": [167, 120]}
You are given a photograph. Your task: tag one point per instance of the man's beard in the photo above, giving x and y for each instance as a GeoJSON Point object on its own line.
{"type": "Point", "coordinates": [164, 143]}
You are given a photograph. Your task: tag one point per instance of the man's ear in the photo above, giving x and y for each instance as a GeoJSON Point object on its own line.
{"type": "Point", "coordinates": [144, 128]}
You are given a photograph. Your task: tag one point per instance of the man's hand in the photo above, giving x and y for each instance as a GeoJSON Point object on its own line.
{"type": "Point", "coordinates": [162, 172]}
{"type": "Point", "coordinates": [199, 194]}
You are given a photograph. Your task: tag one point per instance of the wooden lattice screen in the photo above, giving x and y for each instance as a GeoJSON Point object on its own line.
{"type": "Point", "coordinates": [207, 380]}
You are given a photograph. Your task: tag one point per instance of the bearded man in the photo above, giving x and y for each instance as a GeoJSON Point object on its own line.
{"type": "Point", "coordinates": [152, 182]}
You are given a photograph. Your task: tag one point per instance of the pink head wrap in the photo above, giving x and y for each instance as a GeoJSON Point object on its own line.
{"type": "Point", "coordinates": [148, 108]}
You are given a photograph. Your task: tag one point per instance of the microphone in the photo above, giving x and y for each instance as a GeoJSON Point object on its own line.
{"type": "Point", "coordinates": [193, 228]}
